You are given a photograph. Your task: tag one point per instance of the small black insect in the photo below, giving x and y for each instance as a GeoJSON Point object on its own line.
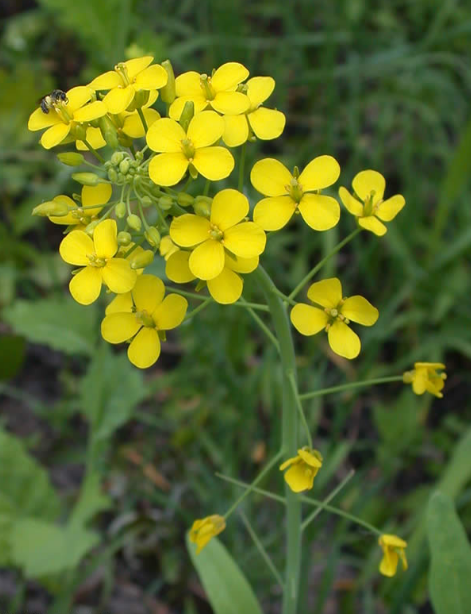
{"type": "Point", "coordinates": [48, 101]}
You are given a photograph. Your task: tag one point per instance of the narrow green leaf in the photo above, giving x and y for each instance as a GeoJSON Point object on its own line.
{"type": "Point", "coordinates": [450, 570]}
{"type": "Point", "coordinates": [227, 588]}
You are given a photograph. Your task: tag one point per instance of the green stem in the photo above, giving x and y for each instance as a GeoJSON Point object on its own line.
{"type": "Point", "coordinates": [299, 405]}
{"type": "Point", "coordinates": [243, 153]}
{"type": "Point", "coordinates": [319, 266]}
{"type": "Point", "coordinates": [328, 499]}
{"type": "Point", "coordinates": [284, 297]}
{"type": "Point", "coordinates": [262, 324]}
{"type": "Point", "coordinates": [143, 119]}
{"type": "Point", "coordinates": [351, 386]}
{"type": "Point", "coordinates": [94, 152]}
{"type": "Point", "coordinates": [289, 437]}
{"type": "Point", "coordinates": [200, 307]}
{"type": "Point", "coordinates": [263, 553]}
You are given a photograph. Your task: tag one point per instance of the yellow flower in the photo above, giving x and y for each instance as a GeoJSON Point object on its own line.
{"type": "Point", "coordinates": [100, 266]}
{"type": "Point", "coordinates": [93, 199]}
{"type": "Point", "coordinates": [393, 549]}
{"type": "Point", "coordinates": [289, 194]}
{"type": "Point", "coordinates": [424, 378]}
{"type": "Point", "coordinates": [64, 117]}
{"type": "Point", "coordinates": [193, 147]}
{"type": "Point", "coordinates": [167, 247]}
{"type": "Point", "coordinates": [143, 315]}
{"type": "Point", "coordinates": [303, 468]}
{"type": "Point", "coordinates": [205, 529]}
{"type": "Point", "coordinates": [369, 187]}
{"type": "Point", "coordinates": [126, 80]}
{"type": "Point", "coordinates": [333, 315]}
{"type": "Point", "coordinates": [94, 137]}
{"type": "Point", "coordinates": [266, 124]}
{"type": "Point", "coordinates": [217, 92]}
{"type": "Point", "coordinates": [224, 230]}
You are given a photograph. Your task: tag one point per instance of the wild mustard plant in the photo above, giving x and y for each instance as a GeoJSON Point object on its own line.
{"type": "Point", "coordinates": [133, 207]}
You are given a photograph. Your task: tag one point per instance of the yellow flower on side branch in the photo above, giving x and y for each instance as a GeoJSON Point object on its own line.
{"type": "Point", "coordinates": [333, 313]}
{"type": "Point", "coordinates": [372, 211]}
{"type": "Point", "coordinates": [393, 549]}
{"type": "Point", "coordinates": [93, 198]}
{"type": "Point", "coordinates": [303, 468]}
{"type": "Point", "coordinates": [424, 378]}
{"type": "Point", "coordinates": [293, 193]}
{"type": "Point", "coordinates": [205, 529]}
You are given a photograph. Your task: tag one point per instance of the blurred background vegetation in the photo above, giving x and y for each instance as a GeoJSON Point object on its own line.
{"type": "Point", "coordinates": [103, 468]}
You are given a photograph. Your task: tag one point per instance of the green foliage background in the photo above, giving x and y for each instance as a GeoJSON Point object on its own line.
{"type": "Point", "coordinates": [382, 84]}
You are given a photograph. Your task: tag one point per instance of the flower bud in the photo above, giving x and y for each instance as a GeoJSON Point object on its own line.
{"type": "Point", "coordinates": [202, 206]}
{"type": "Point", "coordinates": [71, 158]}
{"type": "Point", "coordinates": [80, 132]}
{"type": "Point", "coordinates": [141, 97]}
{"type": "Point", "coordinates": [134, 222]}
{"type": "Point", "coordinates": [167, 93]}
{"type": "Point", "coordinates": [120, 210]}
{"type": "Point", "coordinates": [124, 166]}
{"type": "Point", "coordinates": [117, 157]}
{"type": "Point", "coordinates": [184, 199]}
{"type": "Point", "coordinates": [165, 202]}
{"type": "Point", "coordinates": [89, 179]}
{"type": "Point", "coordinates": [124, 238]}
{"type": "Point", "coordinates": [187, 114]}
{"type": "Point", "coordinates": [51, 207]}
{"type": "Point", "coordinates": [91, 227]}
{"type": "Point", "coordinates": [143, 259]}
{"type": "Point", "coordinates": [109, 132]}
{"type": "Point", "coordinates": [153, 236]}
{"type": "Point", "coordinates": [113, 175]}
{"type": "Point", "coordinates": [146, 201]}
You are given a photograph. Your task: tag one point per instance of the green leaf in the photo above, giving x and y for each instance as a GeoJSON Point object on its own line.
{"type": "Point", "coordinates": [450, 570]}
{"type": "Point", "coordinates": [91, 501]}
{"type": "Point", "coordinates": [42, 549]}
{"type": "Point", "coordinates": [12, 355]}
{"type": "Point", "coordinates": [61, 323]}
{"type": "Point", "coordinates": [111, 389]}
{"type": "Point", "coordinates": [227, 588]}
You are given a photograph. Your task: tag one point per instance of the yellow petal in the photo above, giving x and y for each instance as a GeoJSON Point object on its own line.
{"type": "Point", "coordinates": [77, 97]}
{"type": "Point", "coordinates": [319, 212]}
{"type": "Point", "coordinates": [310, 459]}
{"type": "Point", "coordinates": [352, 205]}
{"type": "Point", "coordinates": [226, 288]}
{"type": "Point", "coordinates": [133, 125]}
{"type": "Point", "coordinates": [236, 130]}
{"type": "Point", "coordinates": [107, 81]}
{"type": "Point", "coordinates": [300, 477]}
{"type": "Point", "coordinates": [372, 224]}
{"type": "Point", "coordinates": [289, 462]}
{"type": "Point", "coordinates": [177, 268]}
{"type": "Point", "coordinates": [241, 265]}
{"type": "Point", "coordinates": [267, 124]}
{"type": "Point", "coordinates": [38, 120]}
{"type": "Point", "coordinates": [75, 248]}
{"type": "Point", "coordinates": [419, 383]}
{"type": "Point", "coordinates": [429, 365]}
{"type": "Point", "coordinates": [365, 181]}
{"type": "Point", "coordinates": [245, 240]}
{"type": "Point", "coordinates": [388, 565]}
{"type": "Point", "coordinates": [343, 340]}
{"type": "Point", "coordinates": [152, 78]}
{"type": "Point", "coordinates": [388, 209]}
{"type": "Point", "coordinates": [104, 238]}
{"type": "Point", "coordinates": [308, 320]}
{"type": "Point", "coordinates": [118, 275]}
{"type": "Point", "coordinates": [188, 84]}
{"type": "Point", "coordinates": [205, 129]}
{"type": "Point", "coordinates": [319, 173]}
{"type": "Point", "coordinates": [94, 137]}
{"type": "Point", "coordinates": [96, 195]}
{"type": "Point", "coordinates": [214, 163]}
{"type": "Point", "coordinates": [207, 260]}
{"type": "Point", "coordinates": [358, 309]}
{"type": "Point", "coordinates": [85, 286]}
{"type": "Point", "coordinates": [229, 207]}
{"type": "Point", "coordinates": [119, 99]}
{"type": "Point", "coordinates": [270, 177]}
{"type": "Point", "coordinates": [119, 327]}
{"type": "Point", "coordinates": [230, 103]}
{"type": "Point", "coordinates": [137, 65]}
{"type": "Point", "coordinates": [168, 168]}
{"type": "Point", "coordinates": [145, 348]}
{"type": "Point", "coordinates": [55, 135]}
{"type": "Point", "coordinates": [392, 540]}
{"type": "Point", "coordinates": [122, 303]}
{"type": "Point", "coordinates": [91, 111]}
{"type": "Point", "coordinates": [327, 292]}
{"type": "Point", "coordinates": [165, 135]}
{"type": "Point", "coordinates": [176, 108]}
{"type": "Point", "coordinates": [274, 213]}
{"type": "Point", "coordinates": [228, 76]}
{"type": "Point", "coordinates": [68, 219]}
{"type": "Point", "coordinates": [259, 89]}
{"type": "Point", "coordinates": [171, 312]}
{"type": "Point", "coordinates": [189, 230]}
{"type": "Point", "coordinates": [148, 293]}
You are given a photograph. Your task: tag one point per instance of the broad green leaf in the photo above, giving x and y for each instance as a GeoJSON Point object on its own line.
{"type": "Point", "coordinates": [111, 389]}
{"type": "Point", "coordinates": [42, 549]}
{"type": "Point", "coordinates": [61, 324]}
{"type": "Point", "coordinates": [227, 588]}
{"type": "Point", "coordinates": [450, 570]}
{"type": "Point", "coordinates": [91, 501]}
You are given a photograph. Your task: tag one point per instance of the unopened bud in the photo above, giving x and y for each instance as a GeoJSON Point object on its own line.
{"type": "Point", "coordinates": [142, 259]}
{"type": "Point", "coordinates": [112, 175]}
{"type": "Point", "coordinates": [109, 132]}
{"type": "Point", "coordinates": [91, 227]}
{"type": "Point", "coordinates": [153, 236]}
{"type": "Point", "coordinates": [187, 114]}
{"type": "Point", "coordinates": [124, 238]}
{"type": "Point", "coordinates": [52, 207]}
{"type": "Point", "coordinates": [120, 210]}
{"type": "Point", "coordinates": [202, 206]}
{"type": "Point", "coordinates": [89, 179]}
{"type": "Point", "coordinates": [124, 166]}
{"type": "Point", "coordinates": [146, 201]}
{"type": "Point", "coordinates": [184, 199]}
{"type": "Point", "coordinates": [80, 132]}
{"type": "Point", "coordinates": [117, 157]}
{"type": "Point", "coordinates": [134, 222]}
{"type": "Point", "coordinates": [165, 202]}
{"type": "Point", "coordinates": [141, 97]}
{"type": "Point", "coordinates": [71, 158]}
{"type": "Point", "coordinates": [167, 93]}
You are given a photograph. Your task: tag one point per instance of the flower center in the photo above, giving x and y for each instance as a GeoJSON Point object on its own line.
{"type": "Point", "coordinates": [188, 149]}
{"type": "Point", "coordinates": [122, 72]}
{"type": "Point", "coordinates": [295, 190]}
{"type": "Point", "coordinates": [145, 319]}
{"type": "Point", "coordinates": [208, 89]}
{"type": "Point", "coordinates": [335, 313]}
{"type": "Point", "coordinates": [369, 208]}
{"type": "Point", "coordinates": [215, 233]}
{"type": "Point", "coordinates": [95, 261]}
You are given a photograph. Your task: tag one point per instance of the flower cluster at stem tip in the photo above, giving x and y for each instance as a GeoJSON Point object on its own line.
{"type": "Point", "coordinates": [133, 207]}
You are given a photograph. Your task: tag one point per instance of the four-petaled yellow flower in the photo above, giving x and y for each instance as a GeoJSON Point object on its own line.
{"type": "Point", "coordinates": [141, 315]}
{"type": "Point", "coordinates": [64, 117]}
{"type": "Point", "coordinates": [393, 549]}
{"type": "Point", "coordinates": [205, 529]}
{"type": "Point", "coordinates": [126, 80]}
{"type": "Point", "coordinates": [372, 211]}
{"type": "Point", "coordinates": [224, 230]}
{"type": "Point", "coordinates": [180, 149]}
{"type": "Point", "coordinates": [333, 315]}
{"type": "Point", "coordinates": [97, 256]}
{"type": "Point", "coordinates": [303, 468]}
{"type": "Point", "coordinates": [217, 92]}
{"type": "Point", "coordinates": [266, 124]}
{"type": "Point", "coordinates": [94, 198]}
{"type": "Point", "coordinates": [424, 378]}
{"type": "Point", "coordinates": [291, 193]}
